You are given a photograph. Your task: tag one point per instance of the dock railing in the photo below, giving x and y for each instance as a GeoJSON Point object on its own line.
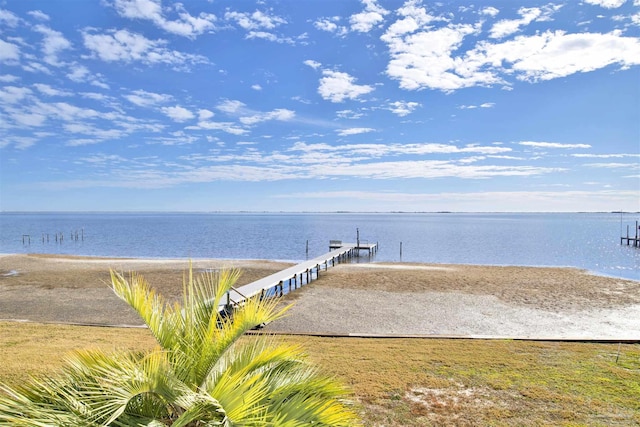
{"type": "Point", "coordinates": [630, 240]}
{"type": "Point", "coordinates": [289, 279]}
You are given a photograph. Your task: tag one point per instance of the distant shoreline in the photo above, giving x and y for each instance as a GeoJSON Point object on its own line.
{"type": "Point", "coordinates": [319, 212]}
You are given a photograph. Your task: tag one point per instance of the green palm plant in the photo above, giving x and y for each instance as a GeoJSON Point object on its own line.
{"type": "Point", "coordinates": [201, 374]}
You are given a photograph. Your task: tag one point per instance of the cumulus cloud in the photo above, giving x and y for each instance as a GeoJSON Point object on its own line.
{"type": "Point", "coordinates": [50, 91]}
{"type": "Point", "coordinates": [424, 55]}
{"type": "Point", "coordinates": [8, 78]}
{"type": "Point", "coordinates": [331, 25]}
{"type": "Point", "coordinates": [490, 11]}
{"type": "Point", "coordinates": [9, 52]}
{"type": "Point", "coordinates": [9, 19]}
{"type": "Point", "coordinates": [230, 106]}
{"type": "Point", "coordinates": [506, 27]}
{"type": "Point", "coordinates": [143, 98]}
{"type": "Point", "coordinates": [337, 86]}
{"type": "Point", "coordinates": [186, 25]}
{"type": "Point", "coordinates": [424, 60]}
{"type": "Point", "coordinates": [349, 114]}
{"type": "Point", "coordinates": [205, 114]}
{"type": "Point", "coordinates": [259, 25]}
{"type": "Point", "coordinates": [255, 21]}
{"type": "Point", "coordinates": [554, 54]}
{"type": "Point", "coordinates": [53, 44]}
{"type": "Point", "coordinates": [403, 108]}
{"type": "Point", "coordinates": [372, 15]}
{"type": "Point", "coordinates": [608, 4]}
{"type": "Point", "coordinates": [178, 113]}
{"type": "Point", "coordinates": [313, 64]}
{"type": "Point", "coordinates": [125, 46]}
{"type": "Point", "coordinates": [39, 15]}
{"type": "Point", "coordinates": [13, 94]}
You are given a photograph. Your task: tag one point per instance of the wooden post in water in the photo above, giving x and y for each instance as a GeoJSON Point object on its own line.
{"type": "Point", "coordinates": [400, 250]}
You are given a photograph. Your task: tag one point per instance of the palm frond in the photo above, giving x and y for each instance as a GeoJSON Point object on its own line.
{"type": "Point", "coordinates": [200, 374]}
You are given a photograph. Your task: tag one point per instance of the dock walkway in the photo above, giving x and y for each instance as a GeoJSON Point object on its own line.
{"type": "Point", "coordinates": [297, 275]}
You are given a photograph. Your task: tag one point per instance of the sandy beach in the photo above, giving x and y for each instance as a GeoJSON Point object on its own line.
{"type": "Point", "coordinates": [359, 299]}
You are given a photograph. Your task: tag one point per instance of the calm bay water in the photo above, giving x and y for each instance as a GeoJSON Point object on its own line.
{"type": "Point", "coordinates": [588, 241]}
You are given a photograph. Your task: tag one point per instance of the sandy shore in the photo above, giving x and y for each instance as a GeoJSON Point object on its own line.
{"type": "Point", "coordinates": [465, 300]}
{"type": "Point", "coordinates": [49, 288]}
{"type": "Point", "coordinates": [377, 298]}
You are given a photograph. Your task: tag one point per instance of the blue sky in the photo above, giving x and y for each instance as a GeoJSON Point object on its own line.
{"type": "Point", "coordinates": [142, 105]}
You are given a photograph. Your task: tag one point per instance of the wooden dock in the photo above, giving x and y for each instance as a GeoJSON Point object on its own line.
{"type": "Point", "coordinates": [292, 278]}
{"type": "Point", "coordinates": [631, 240]}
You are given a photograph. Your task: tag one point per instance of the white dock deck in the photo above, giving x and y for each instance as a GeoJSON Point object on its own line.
{"type": "Point", "coordinates": [299, 274]}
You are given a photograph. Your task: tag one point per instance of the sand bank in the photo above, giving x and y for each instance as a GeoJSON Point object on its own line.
{"type": "Point", "coordinates": [466, 300]}
{"type": "Point", "coordinates": [377, 298]}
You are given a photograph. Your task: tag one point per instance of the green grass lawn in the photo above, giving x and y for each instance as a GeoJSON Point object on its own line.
{"type": "Point", "coordinates": [411, 382]}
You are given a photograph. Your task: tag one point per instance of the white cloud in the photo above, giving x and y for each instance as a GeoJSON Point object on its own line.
{"type": "Point", "coordinates": [68, 112]}
{"type": "Point", "coordinates": [123, 45]}
{"type": "Point", "coordinates": [380, 150]}
{"type": "Point", "coordinates": [280, 114]}
{"type": "Point", "coordinates": [265, 35]}
{"type": "Point", "coordinates": [256, 87]}
{"type": "Point", "coordinates": [506, 27]}
{"type": "Point", "coordinates": [49, 91]}
{"type": "Point", "coordinates": [79, 73]}
{"type": "Point", "coordinates": [608, 4]}
{"type": "Point", "coordinates": [13, 94]}
{"type": "Point", "coordinates": [9, 52]}
{"type": "Point", "coordinates": [624, 166]}
{"type": "Point", "coordinates": [223, 126]}
{"type": "Point", "coordinates": [313, 64]}
{"type": "Point", "coordinates": [364, 21]}
{"type": "Point", "coordinates": [255, 21]}
{"type": "Point", "coordinates": [186, 25]}
{"type": "Point", "coordinates": [230, 106]}
{"type": "Point", "coordinates": [483, 105]}
{"type": "Point", "coordinates": [205, 114]}
{"type": "Point", "coordinates": [26, 119]}
{"type": "Point", "coordinates": [424, 59]}
{"type": "Point", "coordinates": [413, 18]}
{"type": "Point", "coordinates": [178, 113]}
{"type": "Point", "coordinates": [491, 11]}
{"type": "Point", "coordinates": [52, 45]}
{"type": "Point", "coordinates": [330, 25]}
{"type": "Point", "coordinates": [39, 15]}
{"type": "Point", "coordinates": [348, 114]}
{"type": "Point", "coordinates": [354, 131]}
{"type": "Point", "coordinates": [336, 86]}
{"type": "Point", "coordinates": [143, 98]}
{"type": "Point", "coordinates": [403, 108]}
{"type": "Point", "coordinates": [605, 156]}
{"type": "Point", "coordinates": [8, 78]}
{"type": "Point", "coordinates": [22, 142]}
{"type": "Point", "coordinates": [10, 19]}
{"type": "Point", "coordinates": [423, 56]}
{"type": "Point", "coordinates": [553, 145]}
{"type": "Point", "coordinates": [551, 55]}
